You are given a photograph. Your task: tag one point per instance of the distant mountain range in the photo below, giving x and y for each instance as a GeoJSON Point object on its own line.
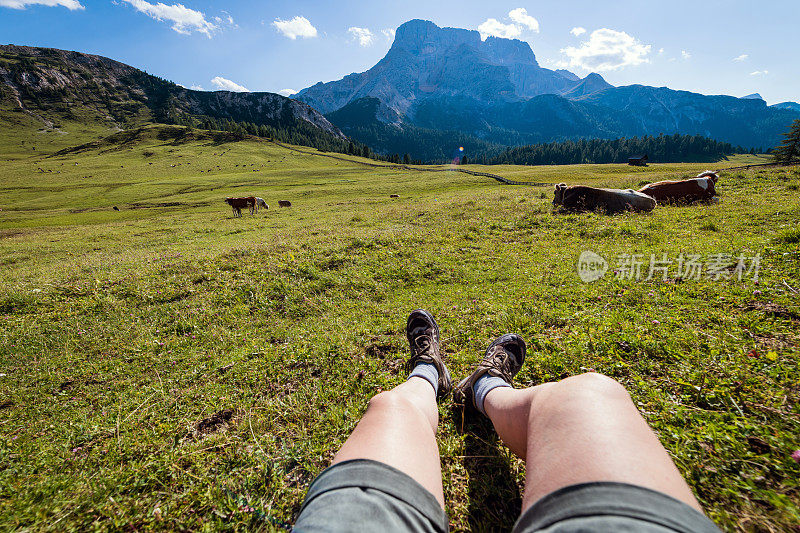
{"type": "Point", "coordinates": [435, 80]}
{"type": "Point", "coordinates": [56, 85]}
{"type": "Point", "coordinates": [435, 90]}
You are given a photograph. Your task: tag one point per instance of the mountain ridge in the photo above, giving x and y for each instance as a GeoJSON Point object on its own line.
{"type": "Point", "coordinates": [448, 79]}
{"type": "Point", "coordinates": [54, 84]}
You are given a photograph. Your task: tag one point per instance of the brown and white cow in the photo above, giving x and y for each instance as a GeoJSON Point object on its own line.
{"type": "Point", "coordinates": [581, 198]}
{"type": "Point", "coordinates": [237, 204]}
{"type": "Point", "coordinates": [699, 189]}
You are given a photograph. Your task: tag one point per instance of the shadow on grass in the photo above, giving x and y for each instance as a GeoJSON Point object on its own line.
{"type": "Point", "coordinates": [494, 496]}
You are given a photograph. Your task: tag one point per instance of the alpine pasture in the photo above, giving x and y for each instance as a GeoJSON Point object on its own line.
{"type": "Point", "coordinates": [167, 366]}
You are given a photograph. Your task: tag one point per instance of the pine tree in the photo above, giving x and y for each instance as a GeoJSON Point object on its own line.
{"type": "Point", "coordinates": [789, 150]}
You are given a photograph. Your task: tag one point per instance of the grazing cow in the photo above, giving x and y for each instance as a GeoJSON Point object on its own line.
{"type": "Point", "coordinates": [261, 203]}
{"type": "Point", "coordinates": [699, 189]}
{"type": "Point", "coordinates": [237, 204]}
{"type": "Point", "coordinates": [394, 196]}
{"type": "Point", "coordinates": [581, 198]}
{"type": "Point", "coordinates": [284, 203]}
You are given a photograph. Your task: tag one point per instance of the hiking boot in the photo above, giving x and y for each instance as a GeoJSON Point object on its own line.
{"type": "Point", "coordinates": [503, 359]}
{"type": "Point", "coordinates": [422, 332]}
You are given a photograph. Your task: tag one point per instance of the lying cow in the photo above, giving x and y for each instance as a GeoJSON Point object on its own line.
{"type": "Point", "coordinates": [237, 204]}
{"type": "Point", "coordinates": [284, 203]}
{"type": "Point", "coordinates": [699, 189]}
{"type": "Point", "coordinates": [582, 198]}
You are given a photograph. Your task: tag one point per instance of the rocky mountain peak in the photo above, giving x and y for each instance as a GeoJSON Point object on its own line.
{"type": "Point", "coordinates": [423, 36]}
{"type": "Point", "coordinates": [428, 62]}
{"type": "Point", "coordinates": [509, 52]}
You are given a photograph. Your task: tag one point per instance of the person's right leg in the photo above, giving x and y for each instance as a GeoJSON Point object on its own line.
{"type": "Point", "coordinates": [579, 430]}
{"type": "Point", "coordinates": [592, 463]}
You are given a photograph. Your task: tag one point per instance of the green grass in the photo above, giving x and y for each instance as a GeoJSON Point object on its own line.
{"type": "Point", "coordinates": [121, 330]}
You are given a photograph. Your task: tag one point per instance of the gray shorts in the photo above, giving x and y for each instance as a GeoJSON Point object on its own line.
{"type": "Point", "coordinates": [363, 495]}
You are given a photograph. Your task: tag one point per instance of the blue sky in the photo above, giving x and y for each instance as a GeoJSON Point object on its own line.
{"type": "Point", "coordinates": [732, 47]}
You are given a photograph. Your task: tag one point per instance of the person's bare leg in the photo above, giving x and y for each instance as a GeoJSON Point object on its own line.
{"type": "Point", "coordinates": [399, 429]}
{"type": "Point", "coordinates": [582, 429]}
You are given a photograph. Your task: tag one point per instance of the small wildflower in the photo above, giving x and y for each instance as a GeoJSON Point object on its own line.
{"type": "Point", "coordinates": [656, 322]}
{"type": "Point", "coordinates": [796, 456]}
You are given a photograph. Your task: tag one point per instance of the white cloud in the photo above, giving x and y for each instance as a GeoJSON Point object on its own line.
{"type": "Point", "coordinates": [578, 31]}
{"type": "Point", "coordinates": [196, 88]}
{"type": "Point", "coordinates": [520, 20]}
{"type": "Point", "coordinates": [287, 92]}
{"type": "Point", "coordinates": [759, 73]}
{"type": "Point", "coordinates": [184, 20]}
{"type": "Point", "coordinates": [362, 35]}
{"type": "Point", "coordinates": [685, 54]}
{"type": "Point", "coordinates": [742, 57]}
{"type": "Point", "coordinates": [389, 33]}
{"type": "Point", "coordinates": [607, 50]}
{"type": "Point", "coordinates": [660, 51]}
{"type": "Point", "coordinates": [495, 28]}
{"type": "Point", "coordinates": [297, 27]}
{"type": "Point", "coordinates": [228, 85]}
{"type": "Point", "coordinates": [22, 4]}
{"type": "Point", "coordinates": [520, 16]}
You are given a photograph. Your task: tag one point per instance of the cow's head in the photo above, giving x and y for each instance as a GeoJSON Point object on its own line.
{"type": "Point", "coordinates": [558, 197]}
{"type": "Point", "coordinates": [711, 175]}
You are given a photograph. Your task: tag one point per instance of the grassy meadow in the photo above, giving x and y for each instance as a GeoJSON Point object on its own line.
{"type": "Point", "coordinates": [167, 366]}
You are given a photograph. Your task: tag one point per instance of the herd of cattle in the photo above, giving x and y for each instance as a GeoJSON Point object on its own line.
{"type": "Point", "coordinates": [582, 198]}
{"type": "Point", "coordinates": [253, 203]}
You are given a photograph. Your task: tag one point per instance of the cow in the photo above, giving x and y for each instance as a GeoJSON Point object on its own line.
{"type": "Point", "coordinates": [394, 196]}
{"type": "Point", "coordinates": [284, 203]}
{"type": "Point", "coordinates": [237, 204]}
{"type": "Point", "coordinates": [698, 189]}
{"type": "Point", "coordinates": [581, 198]}
{"type": "Point", "coordinates": [261, 203]}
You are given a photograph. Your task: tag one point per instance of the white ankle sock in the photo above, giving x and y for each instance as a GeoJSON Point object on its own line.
{"type": "Point", "coordinates": [482, 387]}
{"type": "Point", "coordinates": [427, 372]}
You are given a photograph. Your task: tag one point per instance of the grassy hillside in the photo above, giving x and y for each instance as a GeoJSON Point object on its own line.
{"type": "Point", "coordinates": [166, 366]}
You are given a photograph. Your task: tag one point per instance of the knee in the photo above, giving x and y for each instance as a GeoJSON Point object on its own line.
{"type": "Point", "coordinates": [590, 387]}
{"type": "Point", "coordinates": [389, 401]}
{"type": "Point", "coordinates": [597, 383]}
